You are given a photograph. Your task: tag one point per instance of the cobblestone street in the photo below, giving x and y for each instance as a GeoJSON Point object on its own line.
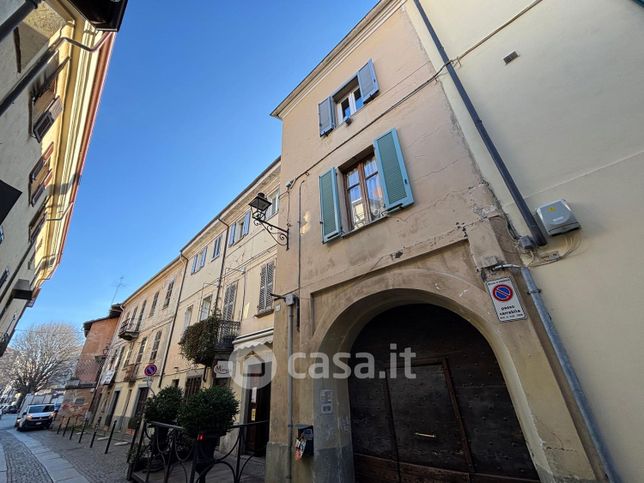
{"type": "Point", "coordinates": [44, 456]}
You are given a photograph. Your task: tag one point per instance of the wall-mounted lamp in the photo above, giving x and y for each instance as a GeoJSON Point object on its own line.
{"type": "Point", "coordinates": [259, 205]}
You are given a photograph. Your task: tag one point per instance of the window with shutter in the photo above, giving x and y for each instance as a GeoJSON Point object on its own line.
{"type": "Point", "coordinates": [391, 165]}
{"type": "Point", "coordinates": [266, 287]}
{"type": "Point", "coordinates": [138, 323]}
{"type": "Point", "coordinates": [330, 206]}
{"type": "Point", "coordinates": [204, 313]}
{"type": "Point", "coordinates": [326, 113]}
{"type": "Point", "coordinates": [348, 99]}
{"type": "Point", "coordinates": [168, 294]}
{"type": "Point", "coordinates": [246, 224]}
{"type": "Point", "coordinates": [154, 304]}
{"type": "Point", "coordinates": [155, 346]}
{"type": "Point", "coordinates": [229, 302]}
{"type": "Point", "coordinates": [217, 249]}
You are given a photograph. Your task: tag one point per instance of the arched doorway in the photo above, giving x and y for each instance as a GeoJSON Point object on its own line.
{"type": "Point", "coordinates": [453, 423]}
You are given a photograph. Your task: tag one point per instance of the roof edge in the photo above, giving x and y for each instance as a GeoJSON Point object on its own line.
{"type": "Point", "coordinates": [346, 40]}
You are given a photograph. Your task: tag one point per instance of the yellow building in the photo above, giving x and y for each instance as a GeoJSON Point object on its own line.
{"type": "Point", "coordinates": [567, 129]}
{"type": "Point", "coordinates": [231, 268]}
{"type": "Point", "coordinates": [53, 62]}
{"type": "Point", "coordinates": [397, 265]}
{"type": "Point", "coordinates": [141, 338]}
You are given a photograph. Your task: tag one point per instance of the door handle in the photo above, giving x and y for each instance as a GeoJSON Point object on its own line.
{"type": "Point", "coordinates": [423, 435]}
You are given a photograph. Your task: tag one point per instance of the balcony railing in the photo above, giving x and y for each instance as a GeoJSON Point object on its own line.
{"type": "Point", "coordinates": [131, 372]}
{"type": "Point", "coordinates": [129, 330]}
{"type": "Point", "coordinates": [227, 331]}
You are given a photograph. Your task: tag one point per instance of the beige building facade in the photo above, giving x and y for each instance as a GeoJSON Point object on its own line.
{"type": "Point", "coordinates": [570, 130]}
{"type": "Point", "coordinates": [396, 243]}
{"type": "Point", "coordinates": [53, 62]}
{"type": "Point", "coordinates": [231, 268]}
{"type": "Point", "coordinates": [141, 338]}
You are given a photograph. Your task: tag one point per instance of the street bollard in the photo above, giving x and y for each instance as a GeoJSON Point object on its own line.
{"type": "Point", "coordinates": [91, 443]}
{"type": "Point", "coordinates": [66, 425]}
{"type": "Point", "coordinates": [109, 440]}
{"type": "Point", "coordinates": [60, 425]}
{"type": "Point", "coordinates": [73, 426]}
{"type": "Point", "coordinates": [80, 438]}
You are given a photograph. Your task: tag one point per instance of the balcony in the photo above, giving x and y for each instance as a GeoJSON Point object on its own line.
{"type": "Point", "coordinates": [227, 331]}
{"type": "Point", "coordinates": [131, 372]}
{"type": "Point", "coordinates": [129, 330]}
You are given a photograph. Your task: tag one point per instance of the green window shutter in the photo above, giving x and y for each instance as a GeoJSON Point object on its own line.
{"type": "Point", "coordinates": [330, 206]}
{"type": "Point", "coordinates": [326, 112]}
{"type": "Point", "coordinates": [391, 166]}
{"type": "Point", "coordinates": [367, 81]}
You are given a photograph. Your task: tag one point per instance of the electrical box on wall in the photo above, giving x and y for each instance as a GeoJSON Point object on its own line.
{"type": "Point", "coordinates": [557, 218]}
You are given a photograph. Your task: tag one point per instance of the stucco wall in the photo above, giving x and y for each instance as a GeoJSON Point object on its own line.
{"type": "Point", "coordinates": [566, 117]}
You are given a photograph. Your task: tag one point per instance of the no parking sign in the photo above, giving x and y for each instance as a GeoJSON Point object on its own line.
{"type": "Point", "coordinates": [150, 370]}
{"type": "Point", "coordinates": [506, 302]}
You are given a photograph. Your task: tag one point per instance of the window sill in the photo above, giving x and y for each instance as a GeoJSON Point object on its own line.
{"type": "Point", "coordinates": [262, 313]}
{"type": "Point", "coordinates": [364, 227]}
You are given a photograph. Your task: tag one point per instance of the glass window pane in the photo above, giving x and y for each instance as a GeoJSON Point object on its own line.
{"type": "Point", "coordinates": [357, 95]}
{"type": "Point", "coordinates": [358, 215]}
{"type": "Point", "coordinates": [370, 167]}
{"type": "Point", "coordinates": [353, 178]}
{"type": "Point", "coordinates": [374, 193]}
{"type": "Point", "coordinates": [346, 109]}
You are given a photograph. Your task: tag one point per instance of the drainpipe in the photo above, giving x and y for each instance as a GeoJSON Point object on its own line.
{"type": "Point", "coordinates": [569, 372]}
{"type": "Point", "coordinates": [40, 65]}
{"type": "Point", "coordinates": [18, 16]}
{"type": "Point", "coordinates": [292, 303]}
{"type": "Point", "coordinates": [526, 214]}
{"type": "Point", "coordinates": [223, 259]}
{"type": "Point", "coordinates": [174, 320]}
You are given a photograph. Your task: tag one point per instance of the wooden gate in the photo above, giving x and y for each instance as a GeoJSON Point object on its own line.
{"type": "Point", "coordinates": [453, 422]}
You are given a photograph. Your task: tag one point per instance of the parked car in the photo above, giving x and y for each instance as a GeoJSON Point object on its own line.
{"type": "Point", "coordinates": [36, 416]}
{"type": "Point", "coordinates": [11, 410]}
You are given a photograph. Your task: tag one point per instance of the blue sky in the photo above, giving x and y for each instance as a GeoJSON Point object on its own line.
{"type": "Point", "coordinates": [182, 128]}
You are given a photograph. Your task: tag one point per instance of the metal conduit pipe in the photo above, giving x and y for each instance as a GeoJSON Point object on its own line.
{"type": "Point", "coordinates": [18, 16]}
{"type": "Point", "coordinates": [40, 65]}
{"type": "Point", "coordinates": [569, 372]}
{"type": "Point", "coordinates": [526, 214]}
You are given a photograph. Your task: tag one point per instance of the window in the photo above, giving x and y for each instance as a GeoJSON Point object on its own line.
{"type": "Point", "coordinates": [239, 230]}
{"type": "Point", "coordinates": [4, 276]}
{"type": "Point", "coordinates": [1, 234]}
{"type": "Point", "coordinates": [348, 99]}
{"type": "Point", "coordinates": [199, 260]}
{"type": "Point", "coordinates": [272, 210]}
{"type": "Point", "coordinates": [138, 323]}
{"type": "Point", "coordinates": [350, 102]}
{"type": "Point", "coordinates": [217, 249]}
{"type": "Point", "coordinates": [155, 346]}
{"type": "Point", "coordinates": [266, 287]}
{"type": "Point", "coordinates": [120, 358]}
{"type": "Point", "coordinates": [126, 359]}
{"type": "Point", "coordinates": [371, 188]}
{"type": "Point", "coordinates": [365, 201]}
{"type": "Point", "coordinates": [229, 302]}
{"type": "Point", "coordinates": [131, 321]}
{"type": "Point", "coordinates": [193, 384]}
{"type": "Point", "coordinates": [155, 299]}
{"type": "Point", "coordinates": [40, 176]}
{"type": "Point", "coordinates": [187, 316]}
{"type": "Point", "coordinates": [168, 293]}
{"type": "Point", "coordinates": [204, 312]}
{"type": "Point", "coordinates": [175, 382]}
{"type": "Point", "coordinates": [139, 356]}
{"type": "Point", "coordinates": [37, 224]}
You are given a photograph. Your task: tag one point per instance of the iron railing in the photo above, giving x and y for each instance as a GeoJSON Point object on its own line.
{"type": "Point", "coordinates": [131, 372]}
{"type": "Point", "coordinates": [227, 331]}
{"type": "Point", "coordinates": [129, 329]}
{"type": "Point", "coordinates": [164, 452]}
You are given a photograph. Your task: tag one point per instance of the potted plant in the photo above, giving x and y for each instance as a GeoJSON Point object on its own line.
{"type": "Point", "coordinates": [207, 416]}
{"type": "Point", "coordinates": [163, 407]}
